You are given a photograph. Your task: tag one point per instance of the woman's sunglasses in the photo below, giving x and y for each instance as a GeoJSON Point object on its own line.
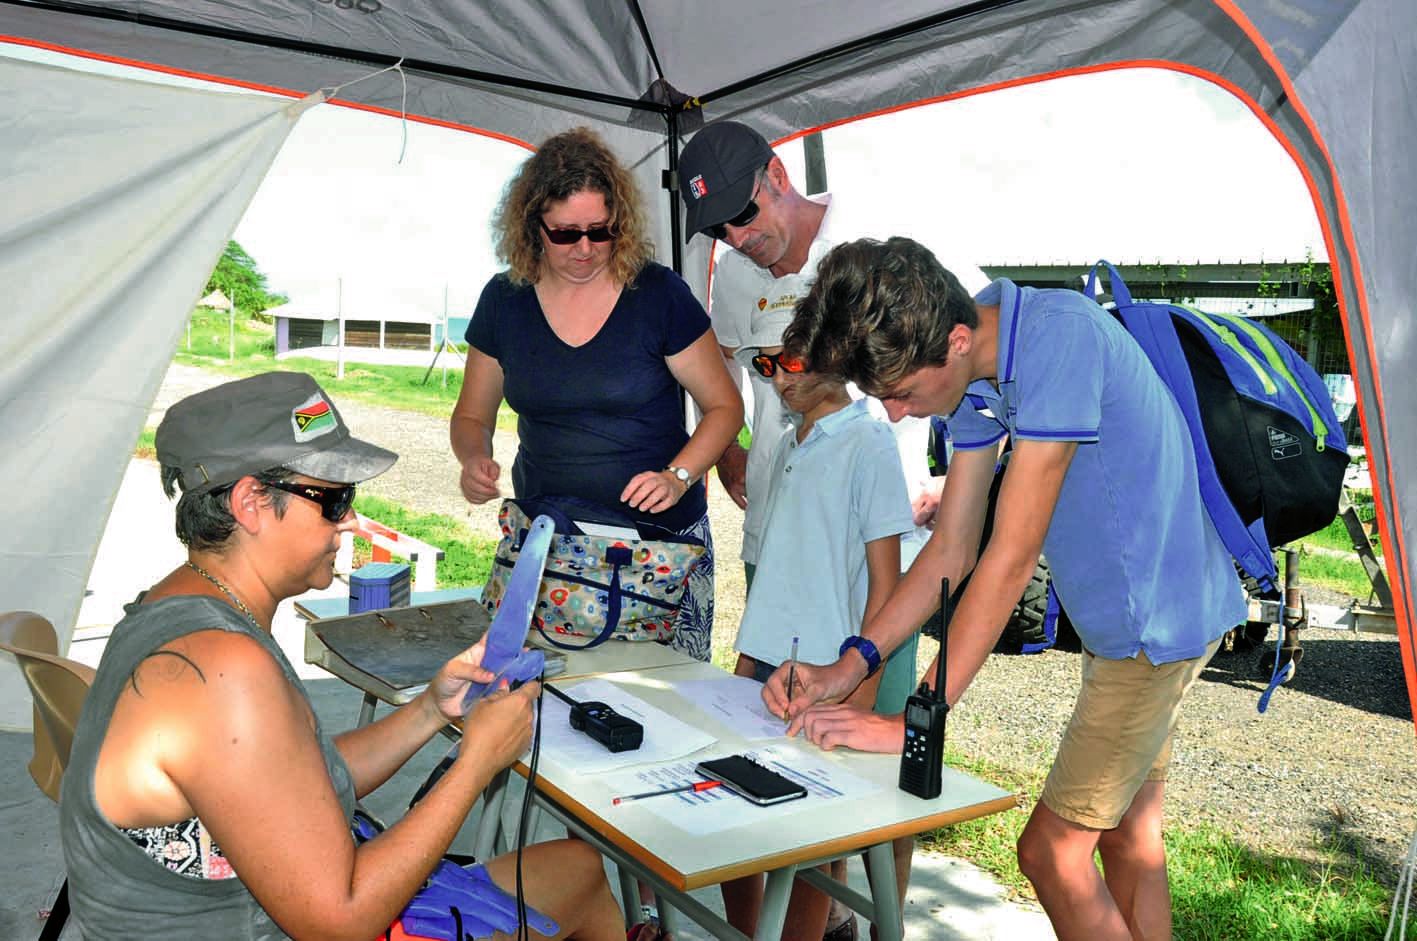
{"type": "Point", "coordinates": [767, 363]}
{"type": "Point", "coordinates": [334, 501]}
{"type": "Point", "coordinates": [597, 234]}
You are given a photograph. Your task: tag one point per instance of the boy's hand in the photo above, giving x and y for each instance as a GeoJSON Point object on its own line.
{"type": "Point", "coordinates": [811, 685]}
{"type": "Point", "coordinates": [830, 726]}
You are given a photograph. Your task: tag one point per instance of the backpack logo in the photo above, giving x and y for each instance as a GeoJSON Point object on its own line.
{"type": "Point", "coordinates": [698, 187]}
{"type": "Point", "coordinates": [1282, 444]}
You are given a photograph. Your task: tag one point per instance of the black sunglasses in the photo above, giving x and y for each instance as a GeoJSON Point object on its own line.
{"type": "Point", "coordinates": [597, 234]}
{"type": "Point", "coordinates": [767, 364]}
{"type": "Point", "coordinates": [746, 217]}
{"type": "Point", "coordinates": [334, 501]}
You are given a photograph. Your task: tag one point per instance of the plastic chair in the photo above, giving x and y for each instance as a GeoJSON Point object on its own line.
{"type": "Point", "coordinates": [58, 686]}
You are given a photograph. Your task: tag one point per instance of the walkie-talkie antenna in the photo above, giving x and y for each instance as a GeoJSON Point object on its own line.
{"type": "Point", "coordinates": [944, 638]}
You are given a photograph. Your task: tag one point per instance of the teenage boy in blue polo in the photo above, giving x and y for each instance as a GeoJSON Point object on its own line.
{"type": "Point", "coordinates": [1102, 478]}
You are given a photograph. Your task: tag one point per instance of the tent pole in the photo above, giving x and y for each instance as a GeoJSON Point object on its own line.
{"type": "Point", "coordinates": [671, 185]}
{"type": "Point", "coordinates": [339, 313]}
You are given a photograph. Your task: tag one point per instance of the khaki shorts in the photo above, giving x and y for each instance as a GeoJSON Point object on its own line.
{"type": "Point", "coordinates": [1119, 736]}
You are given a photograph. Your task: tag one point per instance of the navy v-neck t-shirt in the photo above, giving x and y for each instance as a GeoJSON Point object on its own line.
{"type": "Point", "coordinates": [591, 417]}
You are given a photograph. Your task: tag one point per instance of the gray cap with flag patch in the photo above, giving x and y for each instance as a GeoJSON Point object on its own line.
{"type": "Point", "coordinates": [275, 419]}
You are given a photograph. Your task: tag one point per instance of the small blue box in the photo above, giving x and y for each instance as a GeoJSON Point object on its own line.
{"type": "Point", "coordinates": [378, 585]}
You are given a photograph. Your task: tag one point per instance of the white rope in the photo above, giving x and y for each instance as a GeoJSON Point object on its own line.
{"type": "Point", "coordinates": [1403, 893]}
{"type": "Point", "coordinates": [332, 90]}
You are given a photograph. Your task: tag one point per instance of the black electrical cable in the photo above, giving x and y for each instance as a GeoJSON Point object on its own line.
{"type": "Point", "coordinates": [525, 815]}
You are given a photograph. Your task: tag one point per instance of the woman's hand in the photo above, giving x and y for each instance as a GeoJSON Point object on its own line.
{"type": "Point", "coordinates": [498, 729]}
{"type": "Point", "coordinates": [654, 491]}
{"type": "Point", "coordinates": [830, 726]}
{"type": "Point", "coordinates": [449, 685]}
{"type": "Point", "coordinates": [479, 479]}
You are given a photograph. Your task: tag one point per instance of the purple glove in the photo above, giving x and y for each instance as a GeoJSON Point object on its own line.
{"type": "Point", "coordinates": [457, 903]}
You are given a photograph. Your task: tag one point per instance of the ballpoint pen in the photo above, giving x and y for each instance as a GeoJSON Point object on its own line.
{"type": "Point", "coordinates": [694, 788]}
{"type": "Point", "coordinates": [791, 669]}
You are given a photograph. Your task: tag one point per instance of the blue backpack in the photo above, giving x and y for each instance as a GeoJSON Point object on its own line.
{"type": "Point", "coordinates": [1269, 450]}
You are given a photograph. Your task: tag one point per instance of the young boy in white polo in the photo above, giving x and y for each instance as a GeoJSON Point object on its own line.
{"type": "Point", "coordinates": [829, 557]}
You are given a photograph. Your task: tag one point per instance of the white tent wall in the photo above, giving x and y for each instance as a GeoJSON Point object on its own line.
{"type": "Point", "coordinates": [119, 197]}
{"type": "Point", "coordinates": [1329, 77]}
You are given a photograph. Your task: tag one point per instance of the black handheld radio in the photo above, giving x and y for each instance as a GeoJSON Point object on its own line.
{"type": "Point", "coordinates": [922, 759]}
{"type": "Point", "coordinates": [616, 732]}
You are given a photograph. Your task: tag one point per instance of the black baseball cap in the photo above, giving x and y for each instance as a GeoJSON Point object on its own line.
{"type": "Point", "coordinates": [716, 172]}
{"type": "Point", "coordinates": [275, 419]}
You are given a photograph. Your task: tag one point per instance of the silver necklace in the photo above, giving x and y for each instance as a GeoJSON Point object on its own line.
{"type": "Point", "coordinates": [226, 591]}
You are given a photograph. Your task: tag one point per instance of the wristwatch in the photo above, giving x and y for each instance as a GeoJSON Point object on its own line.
{"type": "Point", "coordinates": [866, 649]}
{"type": "Point", "coordinates": [682, 475]}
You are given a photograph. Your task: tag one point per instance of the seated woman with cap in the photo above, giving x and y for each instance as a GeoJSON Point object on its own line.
{"type": "Point", "coordinates": [203, 797]}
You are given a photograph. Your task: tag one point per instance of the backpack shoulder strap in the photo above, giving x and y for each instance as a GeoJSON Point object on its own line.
{"type": "Point", "coordinates": [1151, 325]}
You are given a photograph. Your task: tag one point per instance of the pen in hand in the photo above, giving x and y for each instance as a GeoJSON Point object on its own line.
{"type": "Point", "coordinates": [791, 672]}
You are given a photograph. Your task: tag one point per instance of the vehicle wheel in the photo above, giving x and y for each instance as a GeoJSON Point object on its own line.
{"type": "Point", "coordinates": [1025, 627]}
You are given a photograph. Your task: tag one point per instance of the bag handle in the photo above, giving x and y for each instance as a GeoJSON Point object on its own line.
{"type": "Point", "coordinates": [1120, 293]}
{"type": "Point", "coordinates": [619, 557]}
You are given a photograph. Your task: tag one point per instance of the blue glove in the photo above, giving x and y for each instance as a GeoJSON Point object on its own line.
{"type": "Point", "coordinates": [481, 907]}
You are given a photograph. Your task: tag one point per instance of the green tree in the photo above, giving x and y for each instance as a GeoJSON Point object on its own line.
{"type": "Point", "coordinates": [238, 277]}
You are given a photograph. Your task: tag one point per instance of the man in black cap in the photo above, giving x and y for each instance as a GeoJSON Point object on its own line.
{"type": "Point", "coordinates": [736, 190]}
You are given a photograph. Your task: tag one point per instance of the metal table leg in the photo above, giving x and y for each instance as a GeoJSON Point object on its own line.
{"type": "Point", "coordinates": [776, 895]}
{"type": "Point", "coordinates": [881, 874]}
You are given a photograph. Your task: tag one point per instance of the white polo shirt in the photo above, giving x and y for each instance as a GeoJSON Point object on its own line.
{"type": "Point", "coordinates": [836, 491]}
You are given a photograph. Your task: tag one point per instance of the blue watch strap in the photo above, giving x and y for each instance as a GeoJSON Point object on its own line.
{"type": "Point", "coordinates": [866, 649]}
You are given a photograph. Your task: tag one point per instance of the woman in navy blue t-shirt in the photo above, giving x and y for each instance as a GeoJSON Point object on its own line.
{"type": "Point", "coordinates": [593, 344]}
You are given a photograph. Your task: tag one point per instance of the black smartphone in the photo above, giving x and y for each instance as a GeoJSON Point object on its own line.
{"type": "Point", "coordinates": [757, 783]}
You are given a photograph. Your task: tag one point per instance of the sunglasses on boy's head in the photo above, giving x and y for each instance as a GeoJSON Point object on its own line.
{"type": "Point", "coordinates": [334, 501]}
{"type": "Point", "coordinates": [767, 363]}
{"type": "Point", "coordinates": [746, 217]}
{"type": "Point", "coordinates": [597, 234]}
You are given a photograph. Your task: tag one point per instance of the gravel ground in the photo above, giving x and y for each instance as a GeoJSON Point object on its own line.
{"type": "Point", "coordinates": [1334, 754]}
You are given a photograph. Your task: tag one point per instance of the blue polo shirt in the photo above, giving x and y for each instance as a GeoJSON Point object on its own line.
{"type": "Point", "coordinates": [1134, 557]}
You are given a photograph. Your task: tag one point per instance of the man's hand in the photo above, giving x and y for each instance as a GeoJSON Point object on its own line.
{"type": "Point", "coordinates": [479, 479]}
{"type": "Point", "coordinates": [811, 685]}
{"type": "Point", "coordinates": [733, 473]}
{"type": "Point", "coordinates": [924, 507]}
{"type": "Point", "coordinates": [830, 726]}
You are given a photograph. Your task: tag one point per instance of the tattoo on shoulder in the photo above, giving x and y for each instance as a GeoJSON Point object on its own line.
{"type": "Point", "coordinates": [165, 668]}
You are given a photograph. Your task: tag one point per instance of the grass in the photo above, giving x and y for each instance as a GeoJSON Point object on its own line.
{"type": "Point", "coordinates": [400, 387]}
{"type": "Point", "coordinates": [146, 446]}
{"type": "Point", "coordinates": [1221, 890]}
{"type": "Point", "coordinates": [467, 555]}
{"type": "Point", "coordinates": [1345, 575]}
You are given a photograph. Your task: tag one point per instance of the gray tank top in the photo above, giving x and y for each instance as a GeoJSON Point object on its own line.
{"type": "Point", "coordinates": [115, 890]}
